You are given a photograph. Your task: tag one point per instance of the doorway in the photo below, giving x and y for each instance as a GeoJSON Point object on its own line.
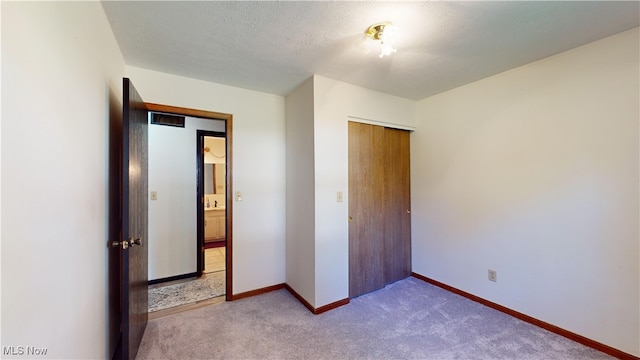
{"type": "Point", "coordinates": [212, 185]}
{"type": "Point", "coordinates": [198, 206]}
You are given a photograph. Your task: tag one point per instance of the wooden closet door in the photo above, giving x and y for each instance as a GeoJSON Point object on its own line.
{"type": "Point", "coordinates": [366, 192]}
{"type": "Point", "coordinates": [379, 204]}
{"type": "Point", "coordinates": [397, 206]}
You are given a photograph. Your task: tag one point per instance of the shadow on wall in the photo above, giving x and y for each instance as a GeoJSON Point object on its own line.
{"type": "Point", "coordinates": [114, 161]}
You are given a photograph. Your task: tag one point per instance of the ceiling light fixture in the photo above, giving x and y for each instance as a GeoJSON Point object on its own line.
{"type": "Point", "coordinates": [208, 150]}
{"type": "Point", "coordinates": [385, 33]}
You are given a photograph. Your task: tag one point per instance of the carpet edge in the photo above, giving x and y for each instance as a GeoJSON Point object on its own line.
{"type": "Point", "coordinates": [529, 319]}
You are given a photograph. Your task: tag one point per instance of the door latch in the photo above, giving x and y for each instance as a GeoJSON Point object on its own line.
{"type": "Point", "coordinates": [123, 243]}
{"type": "Point", "coordinates": [127, 243]}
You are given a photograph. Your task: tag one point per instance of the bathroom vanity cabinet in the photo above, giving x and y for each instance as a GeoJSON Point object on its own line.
{"type": "Point", "coordinates": [214, 225]}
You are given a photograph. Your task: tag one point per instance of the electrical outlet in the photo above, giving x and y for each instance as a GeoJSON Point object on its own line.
{"type": "Point", "coordinates": [493, 275]}
{"type": "Point", "coordinates": [238, 196]}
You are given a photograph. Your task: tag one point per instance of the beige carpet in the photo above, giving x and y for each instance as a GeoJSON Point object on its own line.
{"type": "Point", "coordinates": [409, 319]}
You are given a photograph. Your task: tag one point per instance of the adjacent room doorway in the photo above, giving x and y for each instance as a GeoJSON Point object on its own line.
{"type": "Point", "coordinates": [212, 201]}
{"type": "Point", "coordinates": [227, 221]}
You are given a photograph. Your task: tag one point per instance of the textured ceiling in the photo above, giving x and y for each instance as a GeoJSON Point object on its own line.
{"type": "Point", "coordinates": [275, 46]}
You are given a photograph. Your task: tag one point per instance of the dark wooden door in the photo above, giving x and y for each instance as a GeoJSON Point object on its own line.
{"type": "Point", "coordinates": [379, 207]}
{"type": "Point", "coordinates": [132, 211]}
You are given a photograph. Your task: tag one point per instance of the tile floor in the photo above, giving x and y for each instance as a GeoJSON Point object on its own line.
{"type": "Point", "coordinates": [214, 260]}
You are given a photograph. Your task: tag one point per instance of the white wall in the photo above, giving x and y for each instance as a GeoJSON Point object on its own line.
{"type": "Point", "coordinates": [258, 167]}
{"type": "Point", "coordinates": [300, 192]}
{"type": "Point", "coordinates": [334, 103]}
{"type": "Point", "coordinates": [534, 173]}
{"type": "Point", "coordinates": [173, 217]}
{"type": "Point", "coordinates": [59, 63]}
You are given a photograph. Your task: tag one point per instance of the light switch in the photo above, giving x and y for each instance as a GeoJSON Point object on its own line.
{"type": "Point", "coordinates": [154, 195]}
{"type": "Point", "coordinates": [339, 197]}
{"type": "Point", "coordinates": [238, 196]}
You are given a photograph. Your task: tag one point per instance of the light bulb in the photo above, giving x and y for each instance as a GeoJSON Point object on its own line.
{"type": "Point", "coordinates": [386, 49]}
{"type": "Point", "coordinates": [385, 33]}
{"type": "Point", "coordinates": [388, 33]}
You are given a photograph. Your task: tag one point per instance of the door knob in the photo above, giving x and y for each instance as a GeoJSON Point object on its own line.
{"type": "Point", "coordinates": [408, 211]}
{"type": "Point", "coordinates": [350, 219]}
{"type": "Point", "coordinates": [123, 243]}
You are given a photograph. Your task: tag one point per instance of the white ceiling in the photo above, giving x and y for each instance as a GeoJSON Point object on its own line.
{"type": "Point", "coordinates": [274, 46]}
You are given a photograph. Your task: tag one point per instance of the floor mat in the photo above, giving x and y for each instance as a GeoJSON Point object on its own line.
{"type": "Point", "coordinates": [208, 287]}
